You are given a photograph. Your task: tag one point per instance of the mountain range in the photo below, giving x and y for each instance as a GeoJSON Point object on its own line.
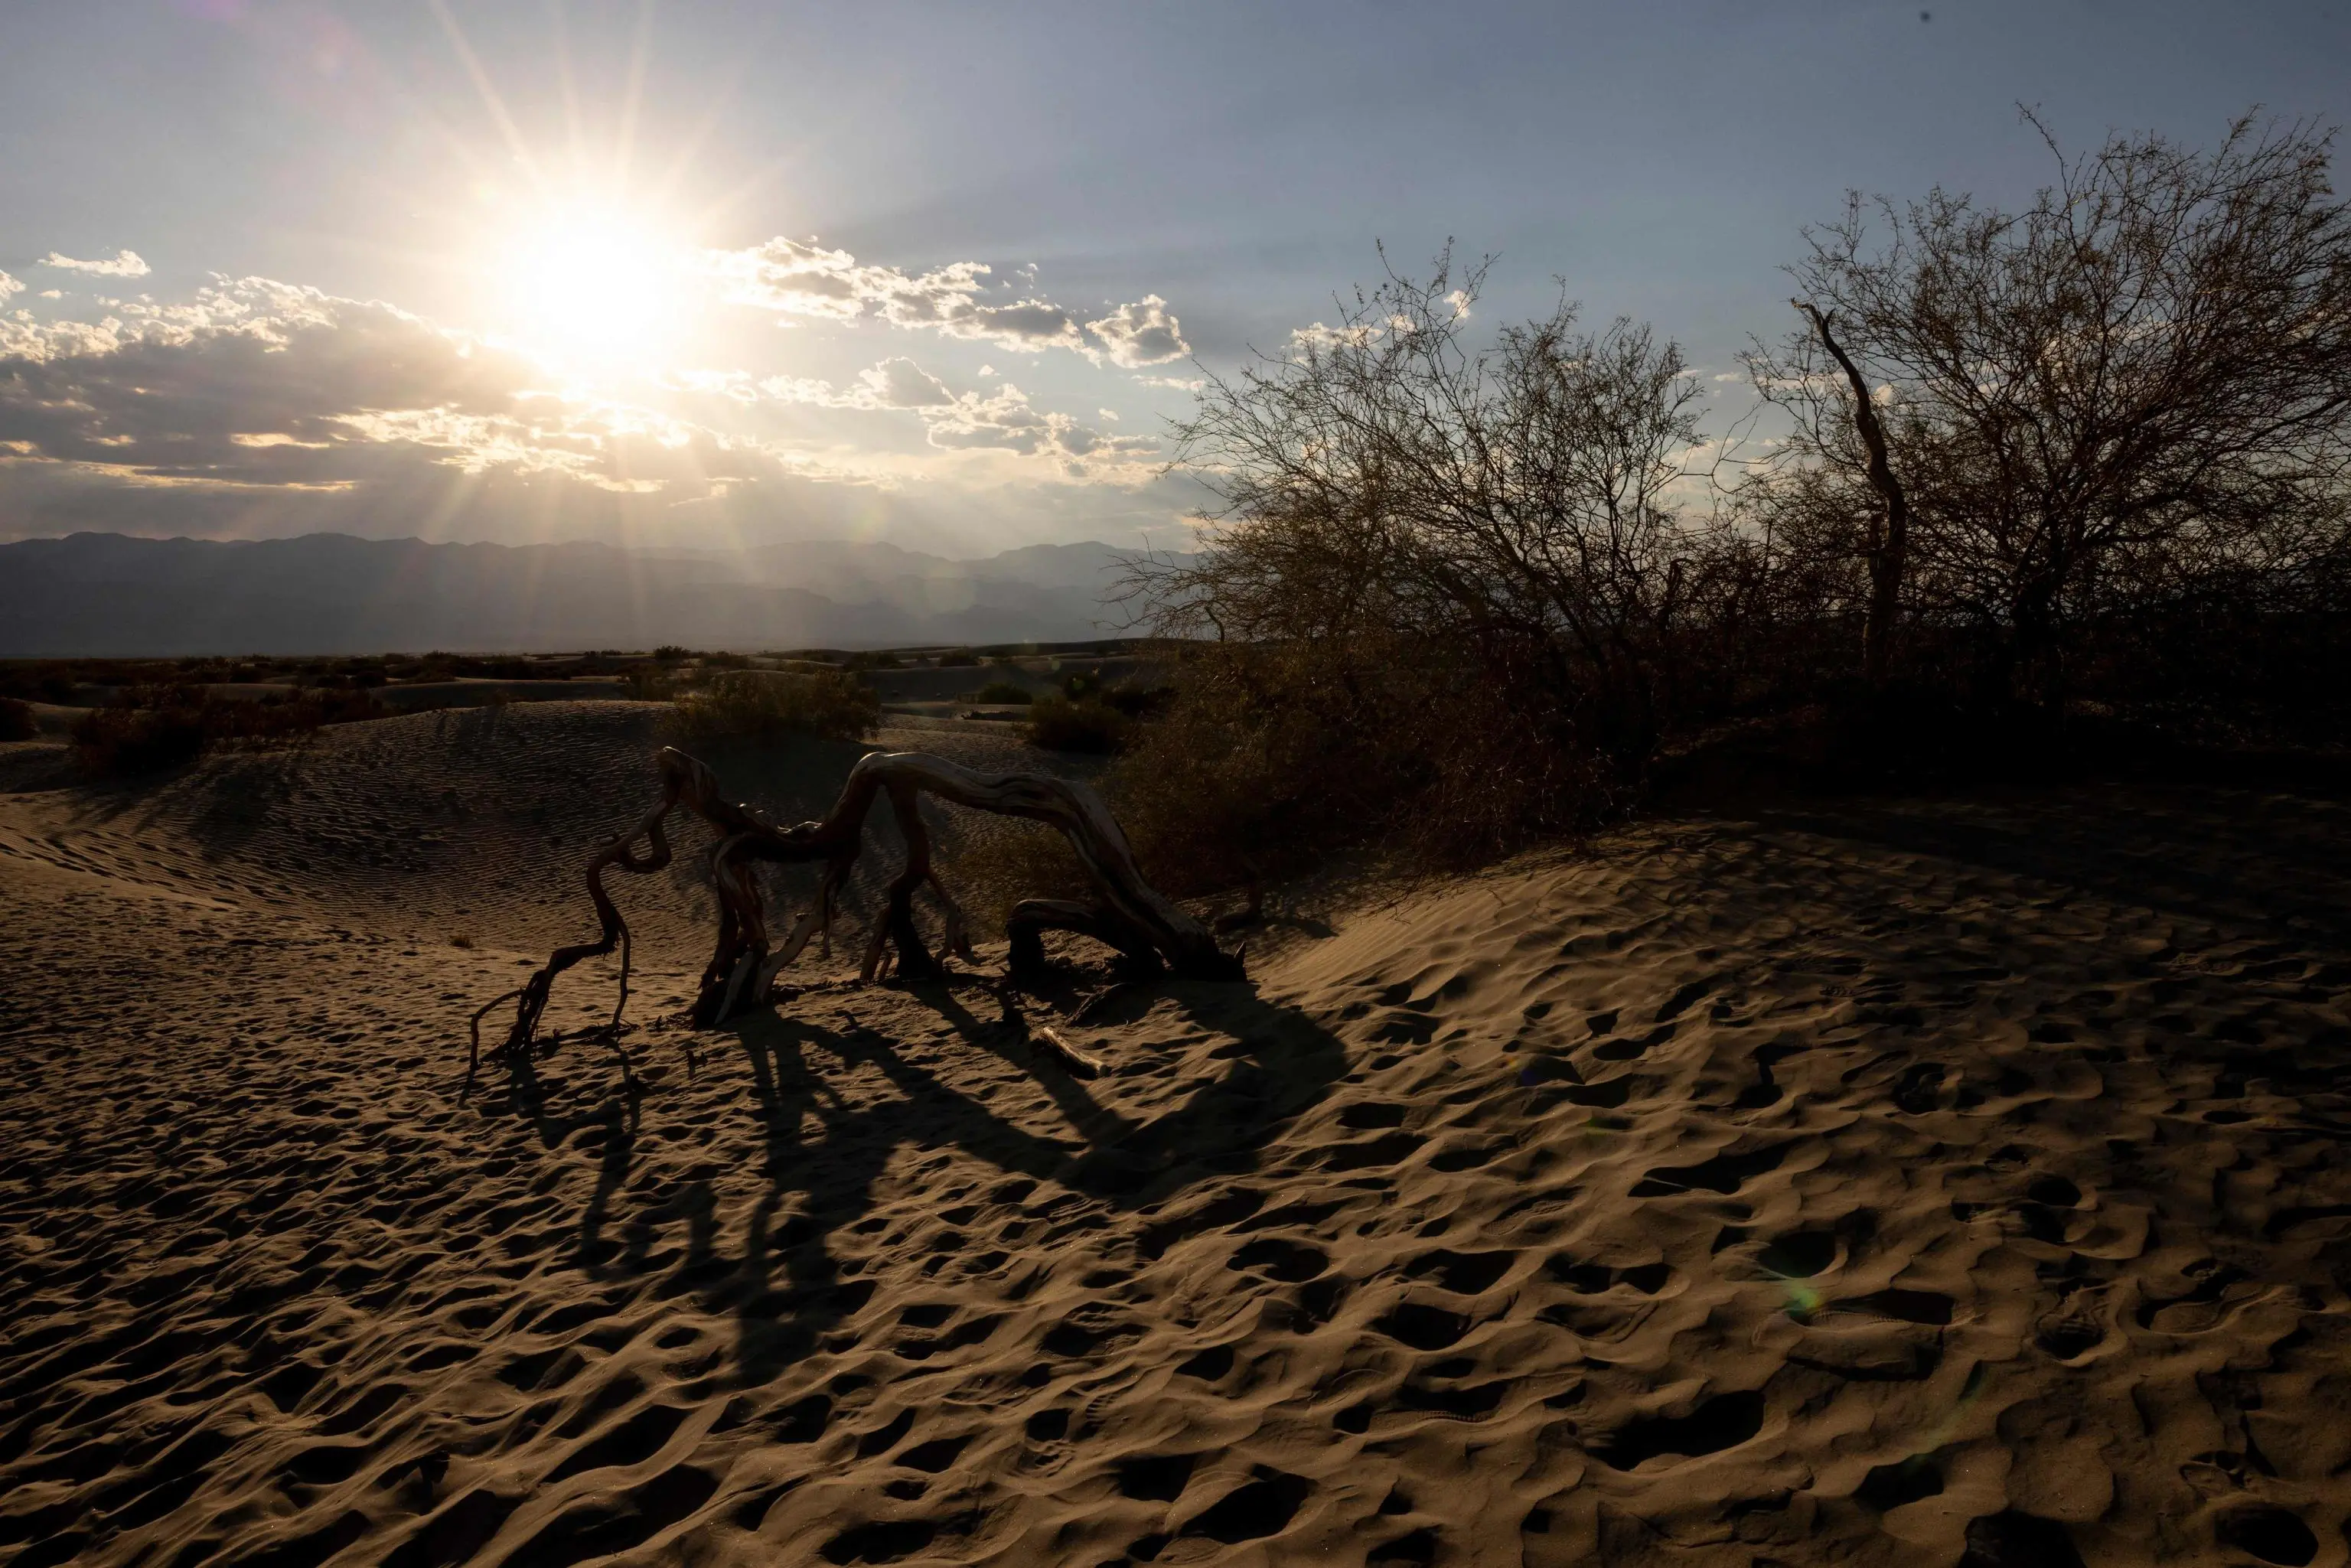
{"type": "Point", "coordinates": [99, 595]}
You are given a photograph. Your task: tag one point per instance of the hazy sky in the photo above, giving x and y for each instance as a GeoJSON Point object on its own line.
{"type": "Point", "coordinates": [693, 273]}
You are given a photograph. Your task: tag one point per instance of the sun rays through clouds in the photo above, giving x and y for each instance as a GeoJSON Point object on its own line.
{"type": "Point", "coordinates": [604, 360]}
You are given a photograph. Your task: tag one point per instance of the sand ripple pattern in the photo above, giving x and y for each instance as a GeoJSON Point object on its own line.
{"type": "Point", "coordinates": [1892, 1186]}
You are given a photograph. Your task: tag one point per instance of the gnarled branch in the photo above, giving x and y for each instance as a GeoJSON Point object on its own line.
{"type": "Point", "coordinates": [1126, 912]}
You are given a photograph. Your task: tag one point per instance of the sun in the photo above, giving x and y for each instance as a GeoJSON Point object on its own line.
{"type": "Point", "coordinates": [591, 287]}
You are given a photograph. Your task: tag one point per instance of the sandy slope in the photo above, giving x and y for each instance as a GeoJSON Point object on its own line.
{"type": "Point", "coordinates": [1891, 1186]}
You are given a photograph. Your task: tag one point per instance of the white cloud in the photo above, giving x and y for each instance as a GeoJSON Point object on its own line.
{"type": "Point", "coordinates": [1006, 420]}
{"type": "Point", "coordinates": [902, 383]}
{"type": "Point", "coordinates": [895, 383]}
{"type": "Point", "coordinates": [1002, 421]}
{"type": "Point", "coordinates": [1108, 414]}
{"type": "Point", "coordinates": [1145, 332]}
{"type": "Point", "coordinates": [1317, 339]}
{"type": "Point", "coordinates": [796, 280]}
{"type": "Point", "coordinates": [123, 264]}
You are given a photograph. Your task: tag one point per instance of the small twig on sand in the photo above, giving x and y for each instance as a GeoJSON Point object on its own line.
{"type": "Point", "coordinates": [1095, 1004]}
{"type": "Point", "coordinates": [1050, 1042]}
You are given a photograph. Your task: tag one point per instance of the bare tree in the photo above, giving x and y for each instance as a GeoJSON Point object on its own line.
{"type": "Point", "coordinates": [1512, 507]}
{"type": "Point", "coordinates": [2141, 379]}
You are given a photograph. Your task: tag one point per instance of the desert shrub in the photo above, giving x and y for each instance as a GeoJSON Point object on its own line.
{"type": "Point", "coordinates": [16, 720]}
{"type": "Point", "coordinates": [1004, 693]}
{"type": "Point", "coordinates": [1445, 592]}
{"type": "Point", "coordinates": [296, 714]}
{"type": "Point", "coordinates": [44, 679]}
{"type": "Point", "coordinates": [758, 705]}
{"type": "Point", "coordinates": [1059, 723]}
{"type": "Point", "coordinates": [1267, 759]}
{"type": "Point", "coordinates": [2030, 437]}
{"type": "Point", "coordinates": [149, 729]}
{"type": "Point", "coordinates": [651, 684]}
{"type": "Point", "coordinates": [1136, 700]}
{"type": "Point", "coordinates": [957, 658]}
{"type": "Point", "coordinates": [152, 727]}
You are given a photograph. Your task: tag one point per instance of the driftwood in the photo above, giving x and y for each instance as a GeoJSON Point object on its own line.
{"type": "Point", "coordinates": [1126, 912]}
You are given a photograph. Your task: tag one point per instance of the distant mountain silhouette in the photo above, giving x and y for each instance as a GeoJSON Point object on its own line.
{"type": "Point", "coordinates": [110, 594]}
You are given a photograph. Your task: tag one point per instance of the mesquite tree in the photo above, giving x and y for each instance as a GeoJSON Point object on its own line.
{"type": "Point", "coordinates": [2138, 383]}
{"type": "Point", "coordinates": [1510, 506]}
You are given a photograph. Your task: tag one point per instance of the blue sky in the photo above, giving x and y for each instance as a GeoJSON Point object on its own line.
{"type": "Point", "coordinates": [700, 273]}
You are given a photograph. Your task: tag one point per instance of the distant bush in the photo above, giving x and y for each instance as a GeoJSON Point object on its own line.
{"type": "Point", "coordinates": [44, 680]}
{"type": "Point", "coordinates": [16, 720]}
{"type": "Point", "coordinates": [149, 729]}
{"type": "Point", "coordinates": [1004, 692]}
{"type": "Point", "coordinates": [957, 658]}
{"type": "Point", "coordinates": [1059, 723]}
{"type": "Point", "coordinates": [757, 704]}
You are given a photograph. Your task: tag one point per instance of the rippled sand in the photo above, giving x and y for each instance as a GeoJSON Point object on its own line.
{"type": "Point", "coordinates": [1901, 1185]}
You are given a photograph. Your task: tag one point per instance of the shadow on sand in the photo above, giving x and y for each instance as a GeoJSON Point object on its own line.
{"type": "Point", "coordinates": [823, 1155]}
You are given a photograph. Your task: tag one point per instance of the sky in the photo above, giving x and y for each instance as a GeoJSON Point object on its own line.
{"type": "Point", "coordinates": [702, 275]}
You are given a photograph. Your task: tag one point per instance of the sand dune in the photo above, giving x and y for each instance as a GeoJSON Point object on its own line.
{"type": "Point", "coordinates": [1905, 1184]}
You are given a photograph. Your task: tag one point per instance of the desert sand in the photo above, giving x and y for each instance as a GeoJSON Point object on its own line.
{"type": "Point", "coordinates": [1906, 1184]}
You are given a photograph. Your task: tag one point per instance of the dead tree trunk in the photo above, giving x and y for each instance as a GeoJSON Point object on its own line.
{"type": "Point", "coordinates": [1890, 540]}
{"type": "Point", "coordinates": [1126, 913]}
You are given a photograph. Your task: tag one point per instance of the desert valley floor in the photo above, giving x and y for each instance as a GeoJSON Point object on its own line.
{"type": "Point", "coordinates": [1906, 1184]}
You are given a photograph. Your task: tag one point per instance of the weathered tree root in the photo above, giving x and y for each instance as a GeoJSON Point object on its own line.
{"type": "Point", "coordinates": [1126, 913]}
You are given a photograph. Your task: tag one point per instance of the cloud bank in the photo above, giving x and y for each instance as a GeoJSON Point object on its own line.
{"type": "Point", "coordinates": [256, 407]}
{"type": "Point", "coordinates": [796, 280]}
{"type": "Point", "coordinates": [123, 264]}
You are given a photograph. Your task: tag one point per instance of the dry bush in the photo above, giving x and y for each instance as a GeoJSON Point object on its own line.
{"type": "Point", "coordinates": [760, 704]}
{"type": "Point", "coordinates": [1448, 593]}
{"type": "Point", "coordinates": [16, 721]}
{"type": "Point", "coordinates": [1004, 694]}
{"type": "Point", "coordinates": [1266, 759]}
{"type": "Point", "coordinates": [650, 683]}
{"type": "Point", "coordinates": [150, 730]}
{"type": "Point", "coordinates": [2124, 406]}
{"type": "Point", "coordinates": [1085, 724]}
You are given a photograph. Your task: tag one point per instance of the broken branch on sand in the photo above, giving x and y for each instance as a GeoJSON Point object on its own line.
{"type": "Point", "coordinates": [1124, 912]}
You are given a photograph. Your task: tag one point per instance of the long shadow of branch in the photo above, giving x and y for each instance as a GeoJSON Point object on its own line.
{"type": "Point", "coordinates": [787, 1292]}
